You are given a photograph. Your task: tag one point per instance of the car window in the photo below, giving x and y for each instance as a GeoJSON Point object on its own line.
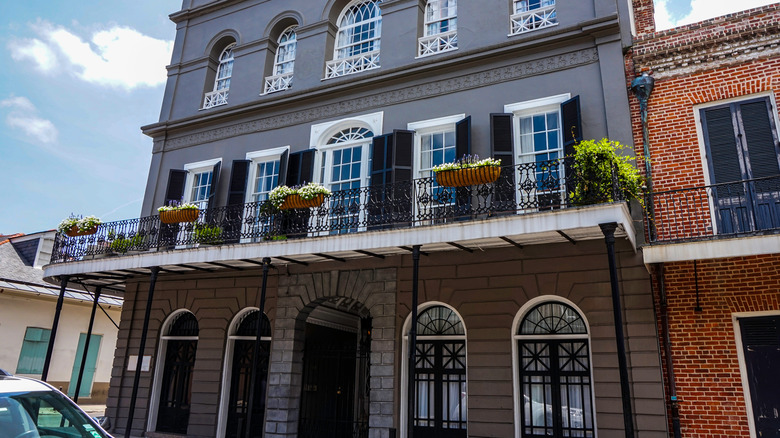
{"type": "Point", "coordinates": [42, 414]}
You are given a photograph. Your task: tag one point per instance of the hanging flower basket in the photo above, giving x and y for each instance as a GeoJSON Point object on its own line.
{"type": "Point", "coordinates": [182, 215]}
{"type": "Point", "coordinates": [75, 231]}
{"type": "Point", "coordinates": [468, 176]}
{"type": "Point", "coordinates": [296, 201]}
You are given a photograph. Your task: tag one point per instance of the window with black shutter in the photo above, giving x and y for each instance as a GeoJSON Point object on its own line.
{"type": "Point", "coordinates": [744, 165]}
{"type": "Point", "coordinates": [502, 148]}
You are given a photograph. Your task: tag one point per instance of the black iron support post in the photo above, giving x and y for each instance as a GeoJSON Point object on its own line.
{"type": "Point", "coordinates": [674, 405]}
{"type": "Point", "coordinates": [410, 399]}
{"type": "Point", "coordinates": [256, 352]}
{"type": "Point", "coordinates": [628, 418]}
{"type": "Point", "coordinates": [50, 349]}
{"type": "Point", "coordinates": [139, 361]}
{"type": "Point", "coordinates": [86, 344]}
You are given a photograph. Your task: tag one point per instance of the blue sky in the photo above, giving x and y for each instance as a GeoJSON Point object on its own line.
{"type": "Point", "coordinates": [79, 78]}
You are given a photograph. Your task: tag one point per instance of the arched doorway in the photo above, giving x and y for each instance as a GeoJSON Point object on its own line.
{"type": "Point", "coordinates": [440, 394]}
{"type": "Point", "coordinates": [335, 392]}
{"type": "Point", "coordinates": [180, 341]}
{"type": "Point", "coordinates": [238, 373]}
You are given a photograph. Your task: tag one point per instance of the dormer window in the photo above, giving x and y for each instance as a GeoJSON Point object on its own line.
{"type": "Point", "coordinates": [441, 23]}
{"type": "Point", "coordinates": [531, 15]}
{"type": "Point", "coordinates": [222, 82]}
{"type": "Point", "coordinates": [357, 41]}
{"type": "Point", "coordinates": [284, 62]}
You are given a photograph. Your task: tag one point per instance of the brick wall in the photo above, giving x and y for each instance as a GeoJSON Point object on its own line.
{"type": "Point", "coordinates": [704, 349]}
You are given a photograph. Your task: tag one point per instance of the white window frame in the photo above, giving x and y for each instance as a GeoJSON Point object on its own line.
{"type": "Point", "coordinates": [519, 21]}
{"type": "Point", "coordinates": [516, 390]}
{"type": "Point", "coordinates": [438, 42]}
{"type": "Point", "coordinates": [219, 95]}
{"type": "Point", "coordinates": [405, 358]}
{"type": "Point", "coordinates": [279, 80]}
{"type": "Point", "coordinates": [530, 107]}
{"type": "Point", "coordinates": [194, 169]}
{"type": "Point", "coordinates": [697, 109]}
{"type": "Point", "coordinates": [743, 365]}
{"type": "Point", "coordinates": [256, 158]}
{"type": "Point", "coordinates": [162, 348]}
{"type": "Point", "coordinates": [227, 367]}
{"type": "Point", "coordinates": [349, 64]}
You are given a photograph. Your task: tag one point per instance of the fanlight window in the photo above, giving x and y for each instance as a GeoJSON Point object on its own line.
{"type": "Point", "coordinates": [554, 379]}
{"type": "Point", "coordinates": [357, 41]}
{"type": "Point", "coordinates": [350, 134]}
{"type": "Point", "coordinates": [185, 325]}
{"type": "Point", "coordinates": [439, 321]}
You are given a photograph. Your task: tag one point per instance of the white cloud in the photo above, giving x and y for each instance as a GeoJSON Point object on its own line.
{"type": "Point", "coordinates": [23, 116]}
{"type": "Point", "coordinates": [118, 57]}
{"type": "Point", "coordinates": [701, 10]}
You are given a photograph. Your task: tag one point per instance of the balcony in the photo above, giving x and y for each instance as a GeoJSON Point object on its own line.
{"type": "Point", "coordinates": [443, 42]}
{"type": "Point", "coordinates": [527, 21]}
{"type": "Point", "coordinates": [530, 204]}
{"type": "Point", "coordinates": [740, 218]}
{"type": "Point", "coordinates": [215, 98]}
{"type": "Point", "coordinates": [352, 64]}
{"type": "Point", "coordinates": [278, 82]}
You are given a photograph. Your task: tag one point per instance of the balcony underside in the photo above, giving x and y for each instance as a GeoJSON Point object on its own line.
{"type": "Point", "coordinates": [569, 225]}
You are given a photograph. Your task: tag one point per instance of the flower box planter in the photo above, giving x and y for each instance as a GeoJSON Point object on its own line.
{"type": "Point", "coordinates": [296, 201]}
{"type": "Point", "coordinates": [468, 176]}
{"type": "Point", "coordinates": [177, 216]}
{"type": "Point", "coordinates": [74, 231]}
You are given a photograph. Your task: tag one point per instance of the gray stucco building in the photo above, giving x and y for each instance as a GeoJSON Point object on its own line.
{"type": "Point", "coordinates": [510, 281]}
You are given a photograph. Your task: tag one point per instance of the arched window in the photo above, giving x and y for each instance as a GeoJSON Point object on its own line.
{"type": "Point", "coordinates": [553, 381]}
{"type": "Point", "coordinates": [440, 398]}
{"type": "Point", "coordinates": [239, 361]}
{"type": "Point", "coordinates": [441, 24]}
{"type": "Point", "coordinates": [532, 14]}
{"type": "Point", "coordinates": [222, 81]}
{"type": "Point", "coordinates": [357, 40]}
{"type": "Point", "coordinates": [284, 62]}
{"type": "Point", "coordinates": [179, 341]}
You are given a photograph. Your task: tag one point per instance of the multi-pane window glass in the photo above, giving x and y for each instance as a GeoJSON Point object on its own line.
{"type": "Point", "coordinates": [359, 30]}
{"type": "Point", "coordinates": [342, 171]}
{"type": "Point", "coordinates": [266, 179]}
{"type": "Point", "coordinates": [531, 15]}
{"type": "Point", "coordinates": [540, 143]}
{"type": "Point", "coordinates": [285, 54]}
{"type": "Point", "coordinates": [554, 373]}
{"type": "Point", "coordinates": [225, 69]}
{"type": "Point", "coordinates": [441, 16]}
{"type": "Point", "coordinates": [201, 186]}
{"type": "Point", "coordinates": [436, 148]}
{"type": "Point", "coordinates": [529, 5]}
{"type": "Point", "coordinates": [33, 354]}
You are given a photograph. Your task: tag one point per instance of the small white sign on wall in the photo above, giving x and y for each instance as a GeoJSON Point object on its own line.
{"type": "Point", "coordinates": [132, 361]}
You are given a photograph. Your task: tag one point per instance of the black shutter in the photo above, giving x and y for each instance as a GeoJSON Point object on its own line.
{"type": "Point", "coordinates": [403, 183]}
{"type": "Point", "coordinates": [300, 168]}
{"type": "Point", "coordinates": [462, 148]}
{"type": "Point", "coordinates": [239, 173]}
{"type": "Point", "coordinates": [214, 184]}
{"type": "Point", "coordinates": [762, 153]}
{"type": "Point", "coordinates": [572, 124]}
{"type": "Point", "coordinates": [381, 160]}
{"type": "Point", "coordinates": [391, 179]}
{"type": "Point", "coordinates": [175, 191]}
{"type": "Point", "coordinates": [283, 168]}
{"type": "Point", "coordinates": [722, 144]}
{"type": "Point", "coordinates": [502, 149]}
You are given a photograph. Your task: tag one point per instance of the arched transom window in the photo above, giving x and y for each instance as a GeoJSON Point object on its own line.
{"type": "Point", "coordinates": [441, 24]}
{"type": "Point", "coordinates": [284, 62]}
{"type": "Point", "coordinates": [357, 40]}
{"type": "Point", "coordinates": [554, 374]}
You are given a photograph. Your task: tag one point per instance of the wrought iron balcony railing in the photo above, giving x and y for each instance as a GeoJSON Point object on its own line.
{"type": "Point", "coordinates": [524, 188]}
{"type": "Point", "coordinates": [720, 210]}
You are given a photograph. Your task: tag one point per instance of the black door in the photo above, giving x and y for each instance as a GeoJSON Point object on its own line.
{"type": "Point", "coordinates": [238, 403]}
{"type": "Point", "coordinates": [335, 391]}
{"type": "Point", "coordinates": [761, 345]}
{"type": "Point", "coordinates": [440, 384]}
{"type": "Point", "coordinates": [174, 412]}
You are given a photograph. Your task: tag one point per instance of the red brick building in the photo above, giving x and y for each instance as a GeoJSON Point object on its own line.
{"type": "Point", "coordinates": [713, 216]}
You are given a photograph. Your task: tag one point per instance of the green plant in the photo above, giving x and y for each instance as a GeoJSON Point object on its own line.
{"type": "Point", "coordinates": [466, 162]}
{"type": "Point", "coordinates": [124, 244]}
{"type": "Point", "coordinates": [309, 191]}
{"type": "Point", "coordinates": [275, 237]}
{"type": "Point", "coordinates": [83, 224]}
{"type": "Point", "coordinates": [175, 205]}
{"type": "Point", "coordinates": [207, 234]}
{"type": "Point", "coordinates": [602, 173]}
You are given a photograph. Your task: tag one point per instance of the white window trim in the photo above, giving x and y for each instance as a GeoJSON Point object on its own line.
{"type": "Point", "coordinates": [194, 168]}
{"type": "Point", "coordinates": [154, 401]}
{"type": "Point", "coordinates": [405, 360]}
{"type": "Point", "coordinates": [341, 28]}
{"type": "Point", "coordinates": [426, 126]}
{"type": "Point", "coordinates": [743, 365]}
{"type": "Point", "coordinates": [703, 146]}
{"type": "Point", "coordinates": [227, 367]}
{"type": "Point", "coordinates": [257, 157]}
{"type": "Point", "coordinates": [322, 132]}
{"type": "Point", "coordinates": [448, 36]}
{"type": "Point", "coordinates": [516, 365]}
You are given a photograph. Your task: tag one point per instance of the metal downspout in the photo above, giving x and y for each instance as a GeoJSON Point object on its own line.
{"type": "Point", "coordinates": [86, 344]}
{"type": "Point", "coordinates": [674, 405]}
{"type": "Point", "coordinates": [609, 237]}
{"type": "Point", "coordinates": [412, 344]}
{"type": "Point", "coordinates": [139, 361]}
{"type": "Point", "coordinates": [642, 87]}
{"type": "Point", "coordinates": [256, 352]}
{"type": "Point", "coordinates": [50, 349]}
